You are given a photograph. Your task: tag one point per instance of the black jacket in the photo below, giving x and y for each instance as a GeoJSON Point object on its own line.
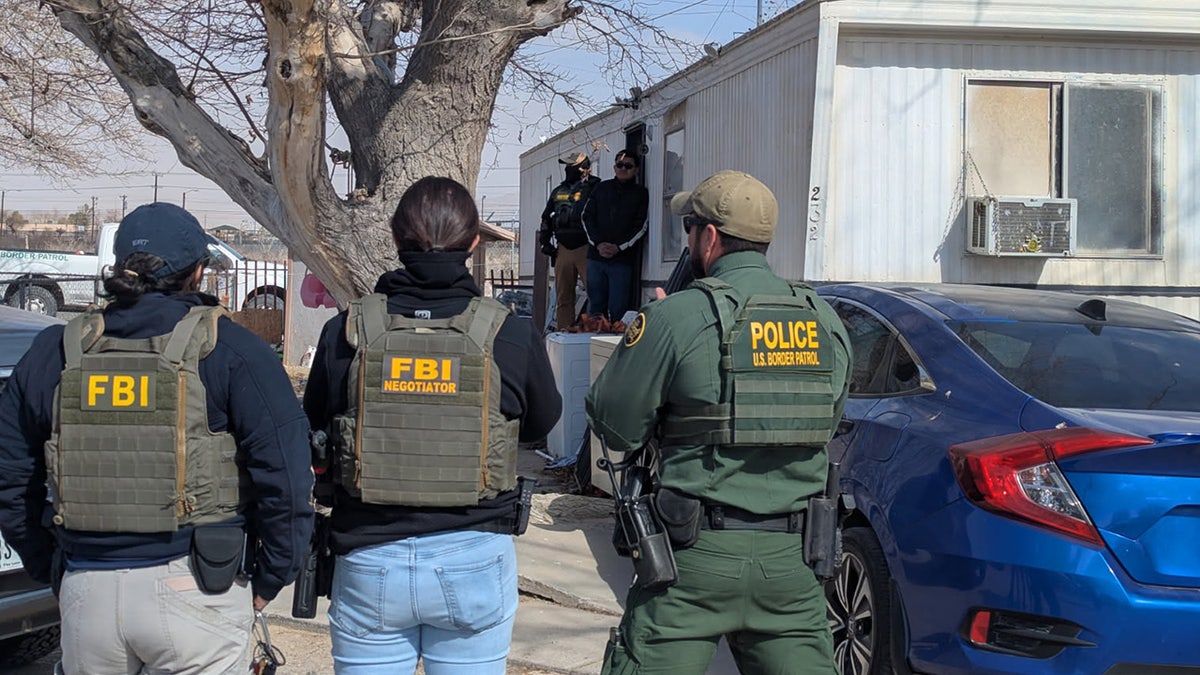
{"type": "Point", "coordinates": [615, 213]}
{"type": "Point", "coordinates": [568, 230]}
{"type": "Point", "coordinates": [441, 284]}
{"type": "Point", "coordinates": [249, 395]}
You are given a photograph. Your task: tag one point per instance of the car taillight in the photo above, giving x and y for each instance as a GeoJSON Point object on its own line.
{"type": "Point", "coordinates": [1017, 476]}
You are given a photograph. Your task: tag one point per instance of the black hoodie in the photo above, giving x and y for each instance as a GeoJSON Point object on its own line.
{"type": "Point", "coordinates": [249, 396]}
{"type": "Point", "coordinates": [440, 284]}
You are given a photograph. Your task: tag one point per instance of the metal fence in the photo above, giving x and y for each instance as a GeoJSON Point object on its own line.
{"type": "Point", "coordinates": [251, 284]}
{"type": "Point", "coordinates": [505, 286]}
{"type": "Point", "coordinates": [50, 293]}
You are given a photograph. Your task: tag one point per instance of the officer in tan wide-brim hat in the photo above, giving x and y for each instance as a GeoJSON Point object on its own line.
{"type": "Point", "coordinates": [579, 159]}
{"type": "Point", "coordinates": [735, 480]}
{"type": "Point", "coordinates": [562, 237]}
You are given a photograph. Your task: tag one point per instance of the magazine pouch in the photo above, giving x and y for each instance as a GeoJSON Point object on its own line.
{"type": "Point", "coordinates": [216, 557]}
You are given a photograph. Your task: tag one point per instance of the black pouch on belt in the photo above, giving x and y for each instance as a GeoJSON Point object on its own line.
{"type": "Point", "coordinates": [217, 557]}
{"type": "Point", "coordinates": [680, 515]}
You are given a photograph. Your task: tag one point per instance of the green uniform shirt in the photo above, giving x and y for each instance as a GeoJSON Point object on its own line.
{"type": "Point", "coordinates": [670, 356]}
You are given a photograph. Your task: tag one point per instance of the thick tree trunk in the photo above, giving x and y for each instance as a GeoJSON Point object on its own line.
{"type": "Point", "coordinates": [433, 121]}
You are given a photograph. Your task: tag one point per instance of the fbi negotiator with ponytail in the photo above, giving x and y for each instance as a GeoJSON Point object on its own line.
{"type": "Point", "coordinates": [170, 440]}
{"type": "Point", "coordinates": [425, 388]}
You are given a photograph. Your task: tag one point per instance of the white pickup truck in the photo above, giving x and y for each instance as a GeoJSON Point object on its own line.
{"type": "Point", "coordinates": [47, 281]}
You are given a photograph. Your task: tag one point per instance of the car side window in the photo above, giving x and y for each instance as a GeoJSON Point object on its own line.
{"type": "Point", "coordinates": [882, 364]}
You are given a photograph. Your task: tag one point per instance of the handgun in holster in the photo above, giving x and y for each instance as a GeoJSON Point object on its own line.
{"type": "Point", "coordinates": [316, 574]}
{"type": "Point", "coordinates": [822, 528]}
{"type": "Point", "coordinates": [319, 444]}
{"type": "Point", "coordinates": [639, 533]}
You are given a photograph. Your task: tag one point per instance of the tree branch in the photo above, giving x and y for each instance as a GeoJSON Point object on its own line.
{"type": "Point", "coordinates": [162, 105]}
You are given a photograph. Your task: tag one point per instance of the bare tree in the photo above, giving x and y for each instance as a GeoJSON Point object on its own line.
{"type": "Point", "coordinates": [14, 220]}
{"type": "Point", "coordinates": [411, 83]}
{"type": "Point", "coordinates": [58, 105]}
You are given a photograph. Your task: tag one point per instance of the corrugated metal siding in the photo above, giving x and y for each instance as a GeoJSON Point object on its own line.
{"type": "Point", "coordinates": [1183, 169]}
{"type": "Point", "coordinates": [760, 121]}
{"type": "Point", "coordinates": [895, 200]}
{"type": "Point", "coordinates": [894, 161]}
{"type": "Point", "coordinates": [1179, 305]}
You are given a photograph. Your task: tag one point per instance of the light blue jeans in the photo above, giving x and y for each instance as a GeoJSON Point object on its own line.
{"type": "Point", "coordinates": [448, 598]}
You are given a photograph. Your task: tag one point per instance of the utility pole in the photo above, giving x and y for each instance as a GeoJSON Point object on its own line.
{"type": "Point", "coordinates": [123, 207]}
{"type": "Point", "coordinates": [758, 18]}
{"type": "Point", "coordinates": [156, 187]}
{"type": "Point", "coordinates": [2, 221]}
{"type": "Point", "coordinates": [93, 215]}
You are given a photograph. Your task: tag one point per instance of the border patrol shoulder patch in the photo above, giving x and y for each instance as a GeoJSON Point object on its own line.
{"type": "Point", "coordinates": [634, 331]}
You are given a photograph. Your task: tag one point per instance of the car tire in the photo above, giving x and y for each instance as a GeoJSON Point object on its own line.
{"type": "Point", "coordinates": [27, 648]}
{"type": "Point", "coordinates": [38, 299]}
{"type": "Point", "coordinates": [266, 300]}
{"type": "Point", "coordinates": [859, 607]}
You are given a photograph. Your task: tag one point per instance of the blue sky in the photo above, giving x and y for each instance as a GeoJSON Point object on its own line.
{"type": "Point", "coordinates": [695, 21]}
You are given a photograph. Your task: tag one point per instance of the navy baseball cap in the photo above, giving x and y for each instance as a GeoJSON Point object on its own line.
{"type": "Point", "coordinates": [164, 230]}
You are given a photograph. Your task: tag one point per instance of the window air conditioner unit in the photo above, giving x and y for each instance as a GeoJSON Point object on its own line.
{"type": "Point", "coordinates": [1021, 226]}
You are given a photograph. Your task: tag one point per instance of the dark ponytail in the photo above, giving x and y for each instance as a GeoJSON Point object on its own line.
{"type": "Point", "coordinates": [134, 277]}
{"type": "Point", "coordinates": [435, 214]}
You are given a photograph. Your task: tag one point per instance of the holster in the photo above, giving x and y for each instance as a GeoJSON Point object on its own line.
{"type": "Point", "coordinates": [58, 567]}
{"type": "Point", "coordinates": [216, 557]}
{"type": "Point", "coordinates": [641, 535]}
{"type": "Point", "coordinates": [680, 515]}
{"type": "Point", "coordinates": [316, 573]}
{"type": "Point", "coordinates": [524, 504]}
{"type": "Point", "coordinates": [822, 537]}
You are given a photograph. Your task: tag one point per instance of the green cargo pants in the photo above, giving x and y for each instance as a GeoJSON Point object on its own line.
{"type": "Point", "coordinates": [752, 587]}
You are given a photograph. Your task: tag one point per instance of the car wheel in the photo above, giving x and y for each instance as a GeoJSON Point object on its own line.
{"type": "Point", "coordinates": [263, 301]}
{"type": "Point", "coordinates": [37, 299]}
{"type": "Point", "coordinates": [859, 608]}
{"type": "Point", "coordinates": [27, 648]}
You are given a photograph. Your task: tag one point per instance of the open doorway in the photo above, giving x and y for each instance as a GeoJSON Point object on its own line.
{"type": "Point", "coordinates": [635, 142]}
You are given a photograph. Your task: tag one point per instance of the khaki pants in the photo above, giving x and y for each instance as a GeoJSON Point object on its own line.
{"type": "Point", "coordinates": [569, 266]}
{"type": "Point", "coordinates": [153, 620]}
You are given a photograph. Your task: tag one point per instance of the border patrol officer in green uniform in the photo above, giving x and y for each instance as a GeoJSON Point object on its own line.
{"type": "Point", "coordinates": [741, 379]}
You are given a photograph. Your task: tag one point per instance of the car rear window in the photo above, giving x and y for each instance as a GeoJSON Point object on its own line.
{"type": "Point", "coordinates": [13, 345]}
{"type": "Point", "coordinates": [1077, 366]}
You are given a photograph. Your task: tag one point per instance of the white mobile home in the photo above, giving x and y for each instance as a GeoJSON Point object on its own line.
{"type": "Point", "coordinates": [1050, 144]}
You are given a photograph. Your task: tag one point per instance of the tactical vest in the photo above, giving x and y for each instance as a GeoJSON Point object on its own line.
{"type": "Point", "coordinates": [131, 450]}
{"type": "Point", "coordinates": [425, 427]}
{"type": "Point", "coordinates": [777, 374]}
{"type": "Point", "coordinates": [568, 207]}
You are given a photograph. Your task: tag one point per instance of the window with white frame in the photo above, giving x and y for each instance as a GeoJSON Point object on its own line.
{"type": "Point", "coordinates": [673, 137]}
{"type": "Point", "coordinates": [1096, 142]}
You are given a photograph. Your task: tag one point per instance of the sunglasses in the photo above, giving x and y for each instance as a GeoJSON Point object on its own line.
{"type": "Point", "coordinates": [692, 221]}
{"type": "Point", "coordinates": [624, 165]}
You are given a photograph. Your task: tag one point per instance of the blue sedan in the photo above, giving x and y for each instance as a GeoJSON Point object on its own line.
{"type": "Point", "coordinates": [1025, 473]}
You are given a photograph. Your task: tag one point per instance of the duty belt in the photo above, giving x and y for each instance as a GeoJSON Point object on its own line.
{"type": "Point", "coordinates": [725, 517]}
{"type": "Point", "coordinates": [503, 525]}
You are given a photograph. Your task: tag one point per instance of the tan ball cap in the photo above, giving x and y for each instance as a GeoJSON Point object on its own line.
{"type": "Point", "coordinates": [736, 202]}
